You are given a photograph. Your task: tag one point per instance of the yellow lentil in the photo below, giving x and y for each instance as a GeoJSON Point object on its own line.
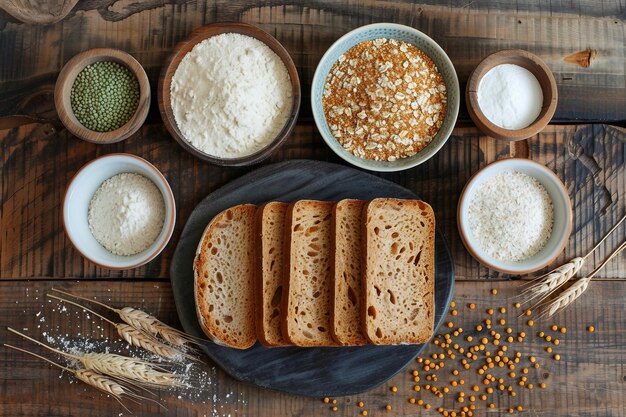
{"type": "Point", "coordinates": [590, 329]}
{"type": "Point", "coordinates": [494, 291]}
{"type": "Point", "coordinates": [326, 400]}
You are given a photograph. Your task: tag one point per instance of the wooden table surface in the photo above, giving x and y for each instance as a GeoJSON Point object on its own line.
{"type": "Point", "coordinates": [584, 43]}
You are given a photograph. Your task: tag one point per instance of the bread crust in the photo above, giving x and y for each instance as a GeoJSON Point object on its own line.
{"type": "Point", "coordinates": [201, 262]}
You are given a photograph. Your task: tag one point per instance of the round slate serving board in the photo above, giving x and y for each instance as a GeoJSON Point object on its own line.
{"type": "Point", "coordinates": [316, 372]}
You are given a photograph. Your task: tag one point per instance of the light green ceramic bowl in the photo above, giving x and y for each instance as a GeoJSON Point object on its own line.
{"type": "Point", "coordinates": [390, 31]}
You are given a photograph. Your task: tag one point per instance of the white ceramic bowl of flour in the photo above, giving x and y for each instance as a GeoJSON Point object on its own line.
{"type": "Point", "coordinates": [80, 193]}
{"type": "Point", "coordinates": [561, 214]}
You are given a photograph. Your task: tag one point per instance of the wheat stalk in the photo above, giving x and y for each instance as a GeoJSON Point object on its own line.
{"type": "Point", "coordinates": [128, 369]}
{"type": "Point", "coordinates": [136, 337]}
{"type": "Point", "coordinates": [106, 385]}
{"type": "Point", "coordinates": [143, 321]}
{"type": "Point", "coordinates": [141, 339]}
{"type": "Point", "coordinates": [545, 285]}
{"type": "Point", "coordinates": [570, 295]}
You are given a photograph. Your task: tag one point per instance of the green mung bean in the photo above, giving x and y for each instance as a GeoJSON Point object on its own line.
{"type": "Point", "coordinates": [104, 96]}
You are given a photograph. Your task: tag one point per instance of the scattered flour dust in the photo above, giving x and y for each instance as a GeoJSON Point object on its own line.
{"type": "Point", "coordinates": [510, 216]}
{"type": "Point", "coordinates": [231, 95]}
{"type": "Point", "coordinates": [126, 214]}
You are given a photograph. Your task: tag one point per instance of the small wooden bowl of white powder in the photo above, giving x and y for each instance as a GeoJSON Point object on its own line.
{"type": "Point", "coordinates": [514, 216]}
{"type": "Point", "coordinates": [229, 94]}
{"type": "Point", "coordinates": [511, 95]}
{"type": "Point", "coordinates": [119, 211]}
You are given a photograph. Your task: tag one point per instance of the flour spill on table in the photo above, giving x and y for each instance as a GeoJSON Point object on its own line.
{"type": "Point", "coordinates": [49, 318]}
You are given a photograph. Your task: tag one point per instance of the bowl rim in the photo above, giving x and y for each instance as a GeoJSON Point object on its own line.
{"type": "Point", "coordinates": [205, 32]}
{"type": "Point", "coordinates": [366, 163]}
{"type": "Point", "coordinates": [66, 79]}
{"type": "Point", "coordinates": [170, 225]}
{"type": "Point", "coordinates": [463, 232]}
{"type": "Point", "coordinates": [486, 125]}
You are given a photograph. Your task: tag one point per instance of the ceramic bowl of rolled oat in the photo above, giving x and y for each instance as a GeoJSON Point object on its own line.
{"type": "Point", "coordinates": [385, 97]}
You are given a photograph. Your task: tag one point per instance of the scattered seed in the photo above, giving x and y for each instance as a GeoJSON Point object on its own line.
{"type": "Point", "coordinates": [590, 329]}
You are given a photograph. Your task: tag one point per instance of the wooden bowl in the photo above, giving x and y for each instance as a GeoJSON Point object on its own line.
{"type": "Point", "coordinates": [63, 88]}
{"type": "Point", "coordinates": [197, 36]}
{"type": "Point", "coordinates": [538, 68]}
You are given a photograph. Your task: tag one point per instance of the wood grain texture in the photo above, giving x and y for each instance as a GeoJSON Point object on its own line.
{"type": "Point", "coordinates": [38, 12]}
{"type": "Point", "coordinates": [588, 381]}
{"type": "Point", "coordinates": [468, 31]}
{"type": "Point", "coordinates": [38, 162]}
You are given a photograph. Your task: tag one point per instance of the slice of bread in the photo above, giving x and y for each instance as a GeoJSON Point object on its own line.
{"type": "Point", "coordinates": [399, 274]}
{"type": "Point", "coordinates": [269, 283]}
{"type": "Point", "coordinates": [224, 277]}
{"type": "Point", "coordinates": [346, 326]}
{"type": "Point", "coordinates": [308, 279]}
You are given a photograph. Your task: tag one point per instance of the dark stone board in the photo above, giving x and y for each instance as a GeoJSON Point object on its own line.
{"type": "Point", "coordinates": [319, 372]}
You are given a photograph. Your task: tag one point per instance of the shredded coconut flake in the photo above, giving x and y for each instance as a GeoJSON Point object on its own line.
{"type": "Point", "coordinates": [510, 216]}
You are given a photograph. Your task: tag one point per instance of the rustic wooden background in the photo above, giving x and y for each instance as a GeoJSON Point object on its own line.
{"type": "Point", "coordinates": [582, 42]}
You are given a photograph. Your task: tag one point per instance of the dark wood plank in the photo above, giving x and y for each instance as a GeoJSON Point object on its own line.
{"type": "Point", "coordinates": [588, 380]}
{"type": "Point", "coordinates": [468, 31]}
{"type": "Point", "coordinates": [38, 162]}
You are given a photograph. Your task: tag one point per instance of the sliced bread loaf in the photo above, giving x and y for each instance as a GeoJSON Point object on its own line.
{"type": "Point", "coordinates": [399, 277]}
{"type": "Point", "coordinates": [347, 295]}
{"type": "Point", "coordinates": [269, 287]}
{"type": "Point", "coordinates": [308, 279]}
{"type": "Point", "coordinates": [224, 277]}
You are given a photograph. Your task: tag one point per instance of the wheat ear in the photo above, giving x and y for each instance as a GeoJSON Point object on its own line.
{"type": "Point", "coordinates": [572, 293]}
{"type": "Point", "coordinates": [136, 337]}
{"type": "Point", "coordinates": [143, 321]}
{"type": "Point", "coordinates": [129, 369]}
{"type": "Point", "coordinates": [96, 380]}
{"type": "Point", "coordinates": [545, 285]}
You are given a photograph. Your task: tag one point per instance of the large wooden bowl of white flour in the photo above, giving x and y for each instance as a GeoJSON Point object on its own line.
{"type": "Point", "coordinates": [229, 94]}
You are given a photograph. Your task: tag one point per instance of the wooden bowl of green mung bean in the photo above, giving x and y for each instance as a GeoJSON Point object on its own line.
{"type": "Point", "coordinates": [102, 95]}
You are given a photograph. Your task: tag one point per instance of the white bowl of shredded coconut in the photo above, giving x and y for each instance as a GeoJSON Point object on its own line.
{"type": "Point", "coordinates": [515, 216]}
{"type": "Point", "coordinates": [119, 211]}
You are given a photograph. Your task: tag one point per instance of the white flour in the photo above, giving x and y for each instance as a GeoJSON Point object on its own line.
{"type": "Point", "coordinates": [510, 216]}
{"type": "Point", "coordinates": [126, 214]}
{"type": "Point", "coordinates": [231, 95]}
{"type": "Point", "coordinates": [510, 96]}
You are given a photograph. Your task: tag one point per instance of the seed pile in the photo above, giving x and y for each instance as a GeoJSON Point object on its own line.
{"type": "Point", "coordinates": [104, 96]}
{"type": "Point", "coordinates": [384, 100]}
{"type": "Point", "coordinates": [487, 366]}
